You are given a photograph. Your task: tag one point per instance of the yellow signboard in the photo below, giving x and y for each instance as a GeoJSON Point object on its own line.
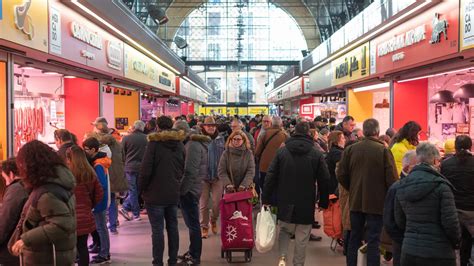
{"type": "Point", "coordinates": [143, 69]}
{"type": "Point", "coordinates": [25, 22]}
{"type": "Point", "coordinates": [352, 66]}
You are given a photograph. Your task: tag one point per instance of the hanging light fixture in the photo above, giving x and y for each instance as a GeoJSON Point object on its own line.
{"type": "Point", "coordinates": [443, 96]}
{"type": "Point", "coordinates": [465, 92]}
{"type": "Point", "coordinates": [158, 14]}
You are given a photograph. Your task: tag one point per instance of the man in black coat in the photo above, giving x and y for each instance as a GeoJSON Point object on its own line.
{"type": "Point", "coordinates": [161, 170]}
{"type": "Point", "coordinates": [293, 174]}
{"type": "Point", "coordinates": [133, 147]}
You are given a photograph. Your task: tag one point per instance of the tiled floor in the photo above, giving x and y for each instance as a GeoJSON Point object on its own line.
{"type": "Point", "coordinates": [132, 246]}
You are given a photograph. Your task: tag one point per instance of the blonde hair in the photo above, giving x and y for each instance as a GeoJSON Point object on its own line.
{"type": "Point", "coordinates": [240, 133]}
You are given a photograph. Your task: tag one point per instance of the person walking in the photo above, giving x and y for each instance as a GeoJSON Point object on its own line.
{"type": "Point", "coordinates": [267, 147]}
{"type": "Point", "coordinates": [161, 170]}
{"type": "Point", "coordinates": [195, 169]}
{"type": "Point", "coordinates": [393, 231]}
{"type": "Point", "coordinates": [406, 139]}
{"type": "Point", "coordinates": [293, 174]}
{"type": "Point", "coordinates": [237, 165]}
{"type": "Point", "coordinates": [336, 142]}
{"type": "Point", "coordinates": [133, 149]}
{"type": "Point", "coordinates": [88, 192]}
{"type": "Point", "coordinates": [212, 186]}
{"type": "Point", "coordinates": [366, 170]}
{"type": "Point", "coordinates": [236, 125]}
{"type": "Point", "coordinates": [101, 164]}
{"type": "Point", "coordinates": [425, 209]}
{"type": "Point", "coordinates": [459, 170]}
{"type": "Point", "coordinates": [13, 200]}
{"type": "Point", "coordinates": [47, 227]}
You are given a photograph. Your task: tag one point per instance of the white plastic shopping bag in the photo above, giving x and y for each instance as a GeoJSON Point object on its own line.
{"type": "Point", "coordinates": [266, 230]}
{"type": "Point", "coordinates": [362, 256]}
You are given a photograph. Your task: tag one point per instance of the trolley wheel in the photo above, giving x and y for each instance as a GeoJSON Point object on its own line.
{"type": "Point", "coordinates": [222, 254]}
{"type": "Point", "coordinates": [229, 256]}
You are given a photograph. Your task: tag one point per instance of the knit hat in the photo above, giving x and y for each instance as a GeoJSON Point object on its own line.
{"type": "Point", "coordinates": [449, 146]}
{"type": "Point", "coordinates": [209, 121]}
{"type": "Point", "coordinates": [181, 125]}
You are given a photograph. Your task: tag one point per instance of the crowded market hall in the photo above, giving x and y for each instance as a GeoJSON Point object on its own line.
{"type": "Point", "coordinates": [246, 132]}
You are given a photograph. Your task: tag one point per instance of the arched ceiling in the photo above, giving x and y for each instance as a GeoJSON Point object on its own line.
{"type": "Point", "coordinates": [178, 10]}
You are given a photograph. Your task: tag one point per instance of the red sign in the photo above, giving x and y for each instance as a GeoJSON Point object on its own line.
{"type": "Point", "coordinates": [84, 42]}
{"type": "Point", "coordinates": [430, 35]}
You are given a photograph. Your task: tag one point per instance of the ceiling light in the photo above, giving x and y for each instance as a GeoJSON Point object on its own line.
{"type": "Point", "coordinates": [158, 14]}
{"type": "Point", "coordinates": [373, 87]}
{"type": "Point", "coordinates": [27, 68]}
{"type": "Point", "coordinates": [69, 77]}
{"type": "Point", "coordinates": [50, 73]}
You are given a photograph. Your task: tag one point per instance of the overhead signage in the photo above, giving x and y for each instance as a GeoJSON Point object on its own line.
{"type": "Point", "coordinates": [143, 69]}
{"type": "Point", "coordinates": [320, 79]}
{"type": "Point", "coordinates": [25, 23]}
{"type": "Point", "coordinates": [429, 35]}
{"type": "Point", "coordinates": [87, 43]}
{"type": "Point", "coordinates": [467, 27]}
{"type": "Point", "coordinates": [184, 88]}
{"type": "Point", "coordinates": [352, 66]}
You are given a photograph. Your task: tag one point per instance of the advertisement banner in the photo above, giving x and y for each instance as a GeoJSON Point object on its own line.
{"type": "Point", "coordinates": [143, 69]}
{"type": "Point", "coordinates": [25, 23]}
{"type": "Point", "coordinates": [86, 43]}
{"type": "Point", "coordinates": [466, 29]}
{"type": "Point", "coordinates": [352, 66]}
{"type": "Point", "coordinates": [430, 35]}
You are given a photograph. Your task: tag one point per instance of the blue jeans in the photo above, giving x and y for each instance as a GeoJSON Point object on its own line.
{"type": "Point", "coordinates": [131, 202]}
{"type": "Point", "coordinates": [190, 210]}
{"type": "Point", "coordinates": [113, 212]}
{"type": "Point", "coordinates": [374, 230]}
{"type": "Point", "coordinates": [101, 227]}
{"type": "Point", "coordinates": [158, 215]}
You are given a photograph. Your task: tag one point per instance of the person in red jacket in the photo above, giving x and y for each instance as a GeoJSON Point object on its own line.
{"type": "Point", "coordinates": [88, 192]}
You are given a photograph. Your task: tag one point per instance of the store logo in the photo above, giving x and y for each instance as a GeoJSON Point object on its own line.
{"type": "Point", "coordinates": [401, 41]}
{"type": "Point", "coordinates": [439, 27]}
{"type": "Point", "coordinates": [86, 35]}
{"type": "Point", "coordinates": [23, 21]}
{"type": "Point", "coordinates": [114, 55]}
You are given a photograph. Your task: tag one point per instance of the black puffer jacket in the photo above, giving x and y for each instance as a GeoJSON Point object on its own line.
{"type": "Point", "coordinates": [425, 209]}
{"type": "Point", "coordinates": [461, 175]}
{"type": "Point", "coordinates": [293, 174]}
{"type": "Point", "coordinates": [162, 168]}
{"type": "Point", "coordinates": [333, 157]}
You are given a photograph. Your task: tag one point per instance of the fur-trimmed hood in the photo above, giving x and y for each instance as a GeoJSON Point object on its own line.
{"type": "Point", "coordinates": [200, 138]}
{"type": "Point", "coordinates": [167, 135]}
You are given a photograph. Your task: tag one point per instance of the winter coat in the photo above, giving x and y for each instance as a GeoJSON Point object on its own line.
{"type": "Point", "coordinates": [345, 209]}
{"type": "Point", "coordinates": [101, 164]}
{"type": "Point", "coordinates": [133, 150]}
{"type": "Point", "coordinates": [118, 182]}
{"type": "Point", "coordinates": [333, 157]}
{"type": "Point", "coordinates": [390, 225]}
{"type": "Point", "coordinates": [367, 170]}
{"type": "Point", "coordinates": [214, 152]}
{"type": "Point", "coordinates": [14, 198]}
{"type": "Point", "coordinates": [87, 196]}
{"type": "Point", "coordinates": [267, 153]}
{"type": "Point", "coordinates": [251, 139]}
{"type": "Point", "coordinates": [162, 168]}
{"type": "Point", "coordinates": [195, 166]}
{"type": "Point", "coordinates": [425, 210]}
{"type": "Point", "coordinates": [461, 176]}
{"type": "Point", "coordinates": [53, 221]}
{"type": "Point", "coordinates": [293, 174]}
{"type": "Point", "coordinates": [398, 150]}
{"type": "Point", "coordinates": [237, 167]}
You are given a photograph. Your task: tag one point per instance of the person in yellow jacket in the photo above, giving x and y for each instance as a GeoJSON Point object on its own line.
{"type": "Point", "coordinates": [406, 139]}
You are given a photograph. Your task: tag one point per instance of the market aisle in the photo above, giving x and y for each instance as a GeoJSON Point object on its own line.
{"type": "Point", "coordinates": [132, 246]}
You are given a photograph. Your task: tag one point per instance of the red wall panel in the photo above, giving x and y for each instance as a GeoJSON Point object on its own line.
{"type": "Point", "coordinates": [411, 103]}
{"type": "Point", "coordinates": [82, 105]}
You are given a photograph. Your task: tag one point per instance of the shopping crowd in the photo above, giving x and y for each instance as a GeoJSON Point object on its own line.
{"type": "Point", "coordinates": [399, 196]}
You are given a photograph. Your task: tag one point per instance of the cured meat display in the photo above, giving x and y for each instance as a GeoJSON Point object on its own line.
{"type": "Point", "coordinates": [29, 122]}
